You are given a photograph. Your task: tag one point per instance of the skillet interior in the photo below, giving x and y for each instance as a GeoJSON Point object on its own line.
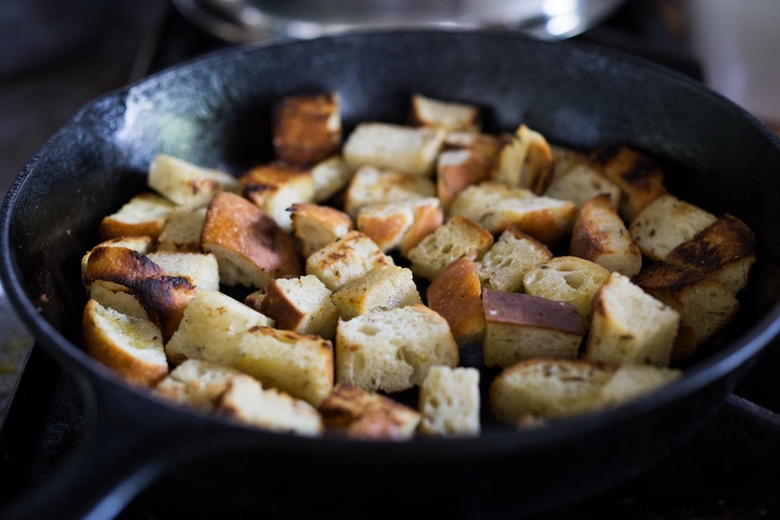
{"type": "Point", "coordinates": [215, 112]}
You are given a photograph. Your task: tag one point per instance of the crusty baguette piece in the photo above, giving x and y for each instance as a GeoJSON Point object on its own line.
{"type": "Point", "coordinates": [456, 238]}
{"type": "Point", "coordinates": [130, 346]}
{"type": "Point", "coordinates": [302, 304]}
{"type": "Point", "coordinates": [195, 383]}
{"type": "Point", "coordinates": [306, 128]}
{"type": "Point", "coordinates": [315, 226]}
{"type": "Point", "coordinates": [727, 248]}
{"type": "Point", "coordinates": [144, 214]}
{"type": "Point", "coordinates": [211, 329]}
{"type": "Point", "coordinates": [448, 115]}
{"type": "Point", "coordinates": [347, 259]}
{"type": "Point", "coordinates": [459, 168]}
{"type": "Point", "coordinates": [547, 389]}
{"type": "Point", "coordinates": [525, 162]}
{"type": "Point", "coordinates": [639, 176]}
{"type": "Point", "coordinates": [705, 305]}
{"type": "Point", "coordinates": [665, 223]}
{"type": "Point", "coordinates": [274, 187]}
{"type": "Point", "coordinates": [567, 279]}
{"type": "Point", "coordinates": [576, 180]}
{"type": "Point", "coordinates": [201, 269]}
{"type": "Point", "coordinates": [393, 350]}
{"type": "Point", "coordinates": [601, 236]}
{"type": "Point", "coordinates": [450, 402]}
{"type": "Point", "coordinates": [360, 414]}
{"type": "Point", "coordinates": [456, 294]}
{"type": "Point", "coordinates": [246, 401]}
{"type": "Point", "coordinates": [249, 245]}
{"type": "Point", "coordinates": [497, 207]}
{"type": "Point", "coordinates": [412, 150]}
{"type": "Point", "coordinates": [630, 326]}
{"type": "Point", "coordinates": [370, 186]}
{"type": "Point", "coordinates": [521, 326]}
{"type": "Point", "coordinates": [511, 255]}
{"type": "Point", "coordinates": [330, 177]}
{"type": "Point", "coordinates": [182, 231]}
{"type": "Point", "coordinates": [632, 381]}
{"type": "Point", "coordinates": [400, 225]}
{"type": "Point", "coordinates": [382, 288]}
{"type": "Point", "coordinates": [186, 184]}
{"type": "Point", "coordinates": [140, 244]}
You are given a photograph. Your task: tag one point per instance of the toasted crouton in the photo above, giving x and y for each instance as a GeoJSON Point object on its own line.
{"type": "Point", "coordinates": [195, 383]}
{"type": "Point", "coordinates": [525, 162]}
{"type": "Point", "coordinates": [186, 184]}
{"type": "Point", "coordinates": [330, 177]}
{"type": "Point", "coordinates": [727, 248]}
{"type": "Point", "coordinates": [497, 207]}
{"type": "Point", "coordinates": [411, 150]}
{"type": "Point", "coordinates": [144, 214]}
{"type": "Point", "coordinates": [601, 236]}
{"type": "Point", "coordinates": [302, 304]}
{"type": "Point", "coordinates": [182, 231]}
{"type": "Point", "coordinates": [360, 414]}
{"type": "Point", "coordinates": [347, 259]}
{"type": "Point", "coordinates": [316, 226]}
{"type": "Point", "coordinates": [393, 350]}
{"type": "Point", "coordinates": [384, 287]}
{"type": "Point", "coordinates": [249, 245]}
{"type": "Point", "coordinates": [638, 175]}
{"type": "Point", "coordinates": [132, 347]}
{"type": "Point", "coordinates": [246, 401]}
{"type": "Point", "coordinates": [370, 186]}
{"type": "Point", "coordinates": [450, 402]}
{"type": "Point", "coordinates": [631, 381]}
{"type": "Point", "coordinates": [457, 169]}
{"type": "Point", "coordinates": [547, 389]}
{"type": "Point", "coordinates": [456, 294]}
{"type": "Point", "coordinates": [275, 187]}
{"type": "Point", "coordinates": [567, 279]}
{"type": "Point", "coordinates": [307, 128]}
{"type": "Point", "coordinates": [665, 223]}
{"type": "Point", "coordinates": [521, 326]}
{"type": "Point", "coordinates": [140, 244]}
{"type": "Point", "coordinates": [201, 269]}
{"type": "Point", "coordinates": [400, 225]}
{"type": "Point", "coordinates": [448, 115]}
{"type": "Point", "coordinates": [578, 182]}
{"type": "Point", "coordinates": [630, 326]}
{"type": "Point", "coordinates": [504, 264]}
{"type": "Point", "coordinates": [456, 238]}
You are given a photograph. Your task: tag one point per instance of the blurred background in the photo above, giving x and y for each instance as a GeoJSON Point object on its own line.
{"type": "Point", "coordinates": [58, 55]}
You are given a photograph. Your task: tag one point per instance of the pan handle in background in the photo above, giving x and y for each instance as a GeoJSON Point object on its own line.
{"type": "Point", "coordinates": [124, 448]}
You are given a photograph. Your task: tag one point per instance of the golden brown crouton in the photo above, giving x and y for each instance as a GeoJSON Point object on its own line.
{"type": "Point", "coordinates": [307, 128]}
{"type": "Point", "coordinates": [456, 294]}
{"type": "Point", "coordinates": [275, 187]}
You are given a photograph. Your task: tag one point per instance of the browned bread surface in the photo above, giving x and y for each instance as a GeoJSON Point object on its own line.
{"type": "Point", "coordinates": [307, 128]}
{"type": "Point", "coordinates": [456, 294]}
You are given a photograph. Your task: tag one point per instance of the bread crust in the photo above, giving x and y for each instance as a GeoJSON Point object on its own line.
{"type": "Point", "coordinates": [307, 128]}
{"type": "Point", "coordinates": [456, 294]}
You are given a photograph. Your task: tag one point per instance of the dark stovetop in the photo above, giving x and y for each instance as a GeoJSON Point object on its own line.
{"type": "Point", "coordinates": [729, 470]}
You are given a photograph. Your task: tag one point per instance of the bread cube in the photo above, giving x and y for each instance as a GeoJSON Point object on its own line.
{"type": "Point", "coordinates": [140, 244]}
{"type": "Point", "coordinates": [632, 381]}
{"type": "Point", "coordinates": [131, 347]}
{"type": "Point", "coordinates": [201, 269]}
{"type": "Point", "coordinates": [400, 225]}
{"type": "Point", "coordinates": [246, 401]}
{"type": "Point", "coordinates": [316, 226]}
{"type": "Point", "coordinates": [275, 187]}
{"type": "Point", "coordinates": [521, 326]}
{"type": "Point", "coordinates": [630, 326]}
{"type": "Point", "coordinates": [360, 414]}
{"type": "Point", "coordinates": [504, 264]}
{"type": "Point", "coordinates": [547, 389]}
{"type": "Point", "coordinates": [182, 231]}
{"type": "Point", "coordinates": [330, 177]}
{"type": "Point", "coordinates": [601, 236]}
{"type": "Point", "coordinates": [307, 128]}
{"type": "Point", "coordinates": [352, 256]}
{"type": "Point", "coordinates": [578, 181]}
{"type": "Point", "coordinates": [144, 214]}
{"type": "Point", "coordinates": [567, 279]}
{"type": "Point", "coordinates": [525, 162]}
{"type": "Point", "coordinates": [456, 238]}
{"type": "Point", "coordinates": [393, 350]}
{"type": "Point", "coordinates": [456, 294]}
{"type": "Point", "coordinates": [448, 115]}
{"type": "Point", "coordinates": [186, 184]}
{"type": "Point", "coordinates": [302, 304]}
{"type": "Point", "coordinates": [195, 383]}
{"type": "Point", "coordinates": [411, 150]}
{"type": "Point", "coordinates": [457, 169]}
{"type": "Point", "coordinates": [450, 402]}
{"type": "Point", "coordinates": [370, 186]}
{"type": "Point", "coordinates": [497, 207]}
{"type": "Point", "coordinates": [639, 176]}
{"type": "Point", "coordinates": [665, 223]}
{"type": "Point", "coordinates": [250, 247]}
{"type": "Point", "coordinates": [382, 288]}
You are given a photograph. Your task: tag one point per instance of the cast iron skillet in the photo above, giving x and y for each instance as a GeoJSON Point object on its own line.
{"type": "Point", "coordinates": [215, 111]}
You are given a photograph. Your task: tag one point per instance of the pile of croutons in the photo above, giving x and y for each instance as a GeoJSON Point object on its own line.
{"type": "Point", "coordinates": [371, 260]}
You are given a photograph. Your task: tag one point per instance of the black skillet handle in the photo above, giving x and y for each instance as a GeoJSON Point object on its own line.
{"type": "Point", "coordinates": [124, 448]}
